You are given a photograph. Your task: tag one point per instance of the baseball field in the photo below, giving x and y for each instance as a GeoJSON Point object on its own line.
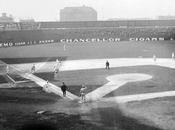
{"type": "Point", "coordinates": [136, 93]}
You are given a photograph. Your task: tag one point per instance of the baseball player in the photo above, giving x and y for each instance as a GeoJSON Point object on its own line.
{"type": "Point", "coordinates": [83, 93]}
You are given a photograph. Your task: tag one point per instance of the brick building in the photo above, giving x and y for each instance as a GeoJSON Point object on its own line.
{"type": "Point", "coordinates": [82, 13]}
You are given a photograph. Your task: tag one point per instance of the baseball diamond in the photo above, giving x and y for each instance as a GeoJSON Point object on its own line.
{"type": "Point", "coordinates": [126, 74]}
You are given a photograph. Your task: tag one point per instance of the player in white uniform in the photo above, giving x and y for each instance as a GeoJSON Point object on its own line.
{"type": "Point", "coordinates": [58, 65]}
{"type": "Point", "coordinates": [57, 60]}
{"type": "Point", "coordinates": [173, 56]}
{"type": "Point", "coordinates": [46, 86]}
{"type": "Point", "coordinates": [33, 68]}
{"type": "Point", "coordinates": [7, 69]}
{"type": "Point", "coordinates": [154, 58]}
{"type": "Point", "coordinates": [83, 93]}
{"type": "Point", "coordinates": [56, 69]}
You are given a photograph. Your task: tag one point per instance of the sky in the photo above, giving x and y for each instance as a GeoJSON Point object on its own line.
{"type": "Point", "coordinates": [48, 10]}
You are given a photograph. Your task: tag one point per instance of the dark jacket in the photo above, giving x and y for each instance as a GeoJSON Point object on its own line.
{"type": "Point", "coordinates": [63, 87]}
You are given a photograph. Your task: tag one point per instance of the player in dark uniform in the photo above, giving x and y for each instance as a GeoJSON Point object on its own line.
{"type": "Point", "coordinates": [63, 89]}
{"type": "Point", "coordinates": [107, 65]}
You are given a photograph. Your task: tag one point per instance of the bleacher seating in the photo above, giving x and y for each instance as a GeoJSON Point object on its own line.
{"type": "Point", "coordinates": [123, 33]}
{"type": "Point", "coordinates": [92, 29]}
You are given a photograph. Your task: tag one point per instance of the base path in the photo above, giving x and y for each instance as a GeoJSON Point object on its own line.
{"type": "Point", "coordinates": [115, 81]}
{"type": "Point", "coordinates": [139, 97]}
{"type": "Point", "coordinates": [41, 82]}
{"type": "Point", "coordinates": [52, 88]}
{"type": "Point", "coordinates": [74, 65]}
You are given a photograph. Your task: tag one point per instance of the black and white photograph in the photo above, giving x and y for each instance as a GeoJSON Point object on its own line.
{"type": "Point", "coordinates": [87, 64]}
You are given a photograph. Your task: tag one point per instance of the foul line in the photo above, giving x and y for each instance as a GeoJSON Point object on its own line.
{"type": "Point", "coordinates": [41, 82]}
{"type": "Point", "coordinates": [138, 97]}
{"type": "Point", "coordinates": [115, 81]}
{"type": "Point", "coordinates": [51, 87]}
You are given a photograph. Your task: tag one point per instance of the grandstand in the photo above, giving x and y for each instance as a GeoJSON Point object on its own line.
{"type": "Point", "coordinates": [57, 35]}
{"type": "Point", "coordinates": [29, 33]}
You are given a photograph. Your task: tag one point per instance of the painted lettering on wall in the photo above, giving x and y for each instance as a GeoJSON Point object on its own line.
{"type": "Point", "coordinates": [79, 40]}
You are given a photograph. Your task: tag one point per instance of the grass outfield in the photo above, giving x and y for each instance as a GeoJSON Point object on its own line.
{"type": "Point", "coordinates": [129, 49]}
{"type": "Point", "coordinates": [113, 116]}
{"type": "Point", "coordinates": [3, 79]}
{"type": "Point", "coordinates": [160, 111]}
{"type": "Point", "coordinates": [26, 94]}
